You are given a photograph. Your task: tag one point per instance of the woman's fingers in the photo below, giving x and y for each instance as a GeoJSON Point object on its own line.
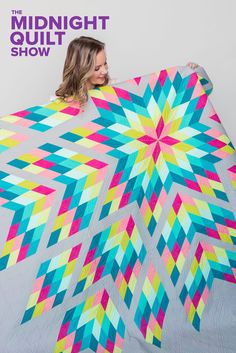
{"type": "Point", "coordinates": [192, 65]}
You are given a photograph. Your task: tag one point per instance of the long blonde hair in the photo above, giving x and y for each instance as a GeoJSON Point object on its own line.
{"type": "Point", "coordinates": [78, 68]}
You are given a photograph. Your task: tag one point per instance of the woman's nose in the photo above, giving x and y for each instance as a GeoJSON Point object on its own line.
{"type": "Point", "coordinates": [104, 70]}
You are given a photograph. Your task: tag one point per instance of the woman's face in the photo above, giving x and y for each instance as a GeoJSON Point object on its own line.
{"type": "Point", "coordinates": [100, 71]}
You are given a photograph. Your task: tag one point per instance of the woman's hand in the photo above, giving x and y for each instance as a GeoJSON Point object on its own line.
{"type": "Point", "coordinates": [192, 65]}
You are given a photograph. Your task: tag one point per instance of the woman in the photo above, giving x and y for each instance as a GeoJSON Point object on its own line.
{"type": "Point", "coordinates": [85, 68]}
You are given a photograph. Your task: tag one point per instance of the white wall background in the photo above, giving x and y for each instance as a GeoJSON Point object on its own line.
{"type": "Point", "coordinates": [141, 37]}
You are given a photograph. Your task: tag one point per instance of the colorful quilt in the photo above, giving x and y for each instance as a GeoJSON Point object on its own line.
{"type": "Point", "coordinates": [118, 226]}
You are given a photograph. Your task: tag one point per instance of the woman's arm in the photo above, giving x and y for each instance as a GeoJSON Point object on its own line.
{"type": "Point", "coordinates": [203, 77]}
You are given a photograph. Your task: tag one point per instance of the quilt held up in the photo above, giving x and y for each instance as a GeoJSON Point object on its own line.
{"type": "Point", "coordinates": [118, 226]}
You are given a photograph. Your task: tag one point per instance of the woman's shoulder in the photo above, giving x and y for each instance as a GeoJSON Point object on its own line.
{"type": "Point", "coordinates": [113, 81]}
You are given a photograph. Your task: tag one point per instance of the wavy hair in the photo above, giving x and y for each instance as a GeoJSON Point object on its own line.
{"type": "Point", "coordinates": [78, 68]}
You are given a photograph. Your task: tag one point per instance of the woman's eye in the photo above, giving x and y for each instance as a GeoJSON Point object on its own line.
{"type": "Point", "coordinates": [98, 67]}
